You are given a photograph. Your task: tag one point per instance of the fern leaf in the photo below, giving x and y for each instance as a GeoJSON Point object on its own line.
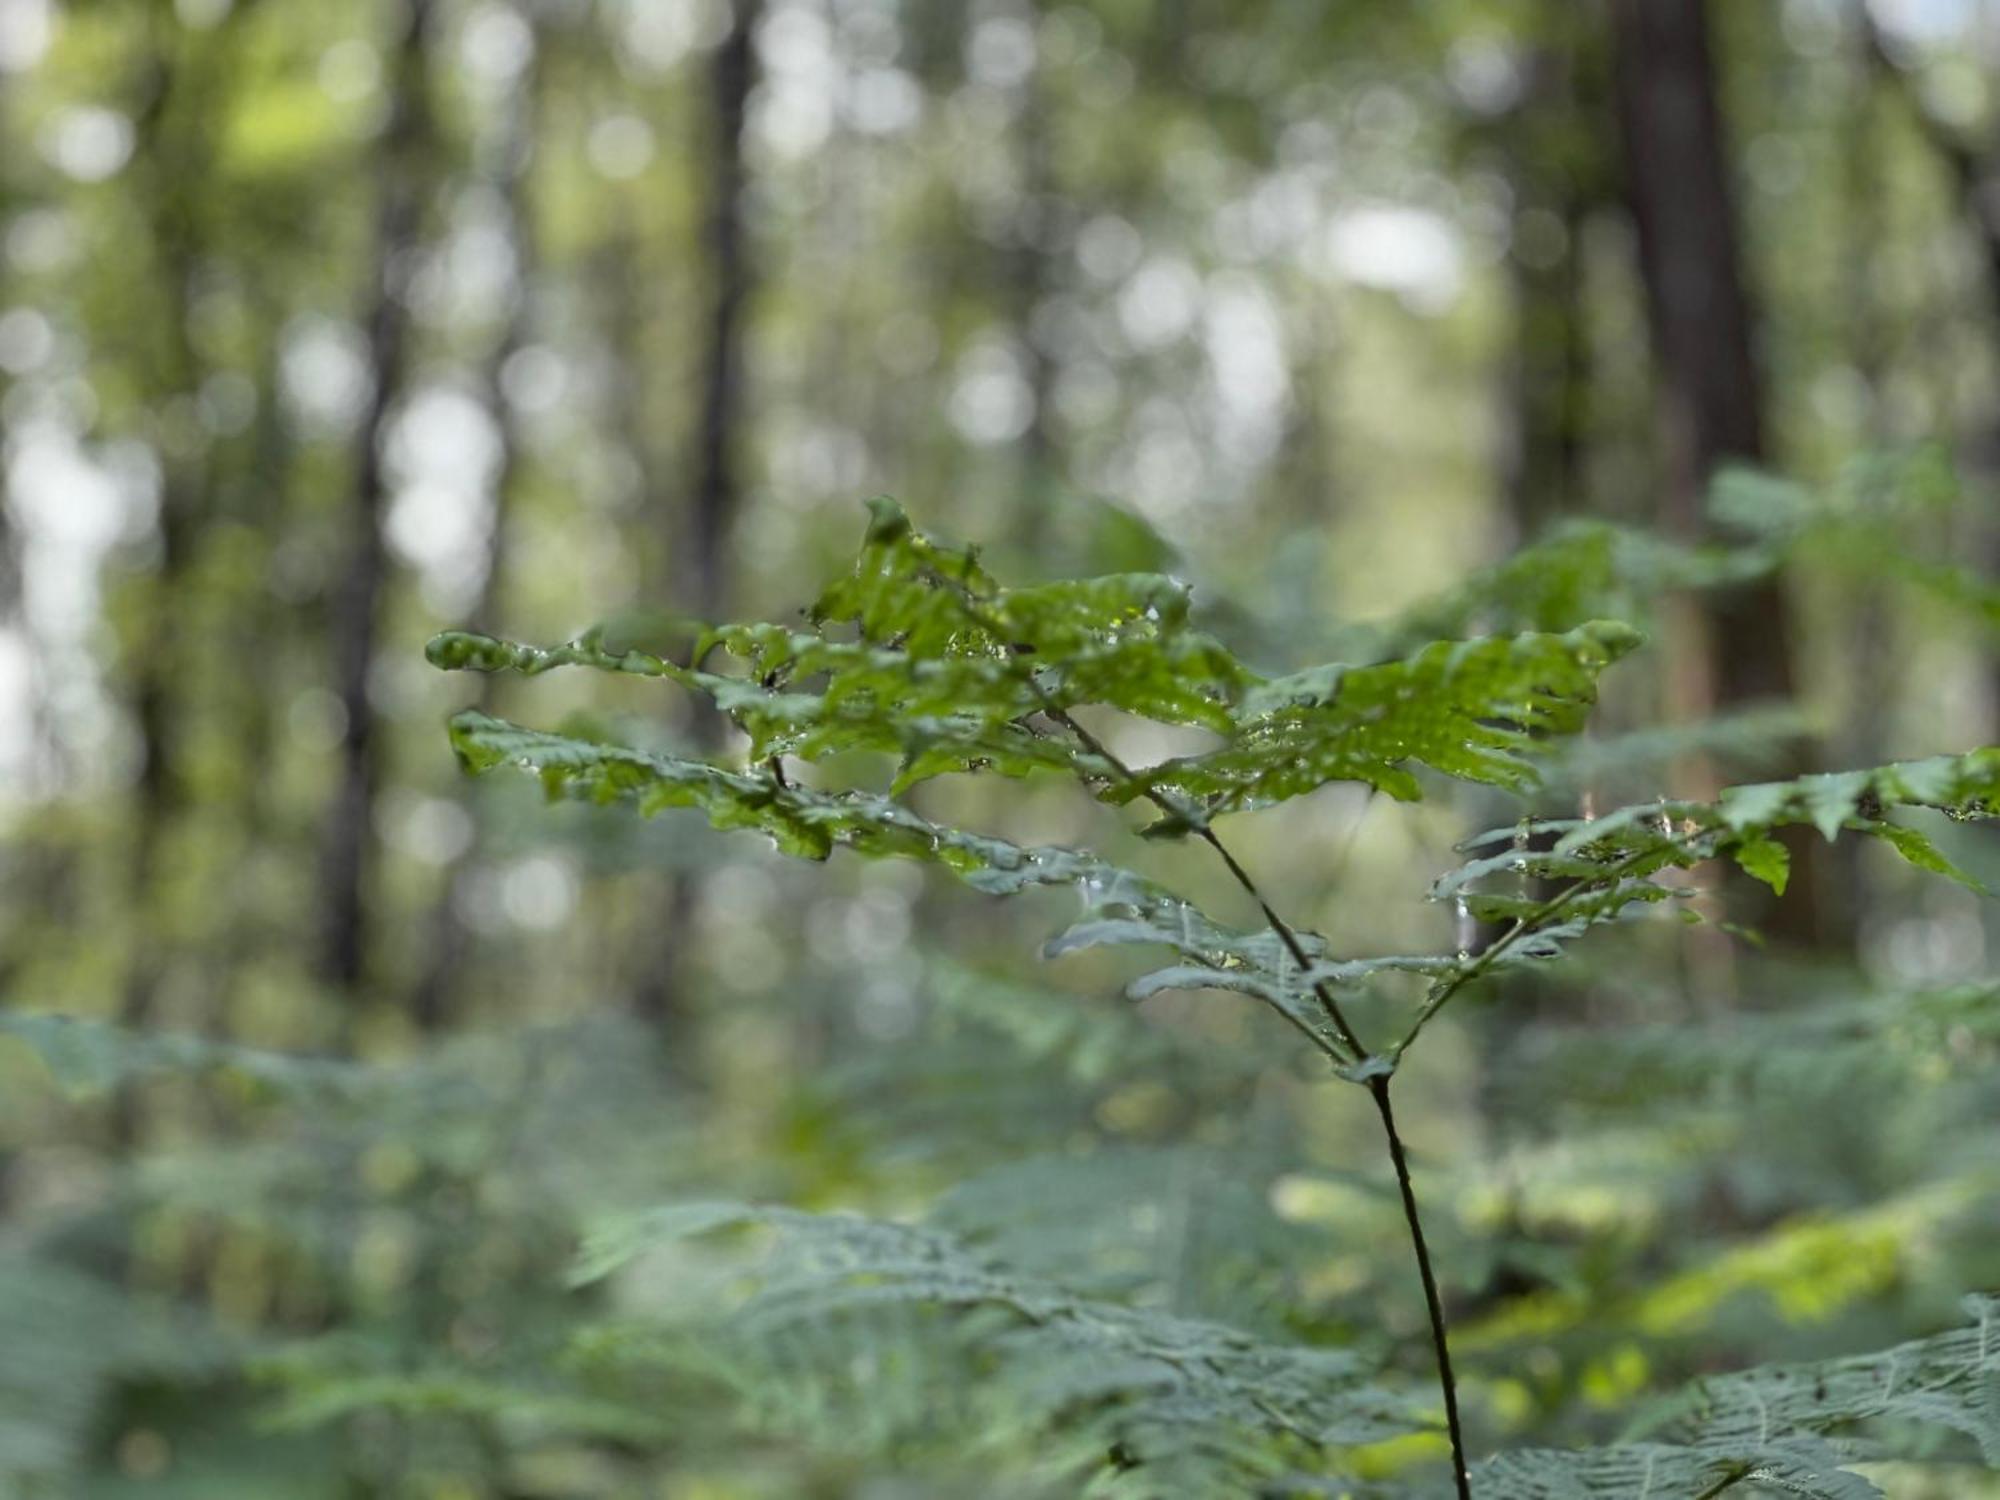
{"type": "Point", "coordinates": [1170, 1404]}
{"type": "Point", "coordinates": [1634, 843]}
{"type": "Point", "coordinates": [89, 1058]}
{"type": "Point", "coordinates": [1121, 907]}
{"type": "Point", "coordinates": [1803, 1468]}
{"type": "Point", "coordinates": [71, 1338]}
{"type": "Point", "coordinates": [1787, 1429]}
{"type": "Point", "coordinates": [950, 672]}
{"type": "Point", "coordinates": [1469, 709]}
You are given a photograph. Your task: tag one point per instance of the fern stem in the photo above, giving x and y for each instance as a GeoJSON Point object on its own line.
{"type": "Point", "coordinates": [1090, 742]}
{"type": "Point", "coordinates": [1378, 1085]}
{"type": "Point", "coordinates": [1461, 1472]}
{"type": "Point", "coordinates": [1208, 836]}
{"type": "Point", "coordinates": [1378, 1088]}
{"type": "Point", "coordinates": [1285, 935]}
{"type": "Point", "coordinates": [1728, 1481]}
{"type": "Point", "coordinates": [1523, 926]}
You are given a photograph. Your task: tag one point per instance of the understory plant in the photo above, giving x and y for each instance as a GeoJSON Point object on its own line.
{"type": "Point", "coordinates": [920, 660]}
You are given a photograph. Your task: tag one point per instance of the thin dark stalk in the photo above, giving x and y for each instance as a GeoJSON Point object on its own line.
{"type": "Point", "coordinates": [1532, 922]}
{"type": "Point", "coordinates": [1288, 938]}
{"type": "Point", "coordinates": [1378, 1089]}
{"type": "Point", "coordinates": [1208, 836]}
{"type": "Point", "coordinates": [1728, 1481]}
{"type": "Point", "coordinates": [1377, 1084]}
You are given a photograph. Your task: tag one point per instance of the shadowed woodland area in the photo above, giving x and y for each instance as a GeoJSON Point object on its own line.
{"type": "Point", "coordinates": [1374, 881]}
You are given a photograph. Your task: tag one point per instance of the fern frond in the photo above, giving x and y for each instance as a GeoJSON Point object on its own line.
{"type": "Point", "coordinates": [1747, 741]}
{"type": "Point", "coordinates": [88, 1057]}
{"type": "Point", "coordinates": [1805, 1468]}
{"type": "Point", "coordinates": [1787, 1429]}
{"type": "Point", "coordinates": [1635, 843]}
{"type": "Point", "coordinates": [1579, 572]}
{"type": "Point", "coordinates": [71, 1338]}
{"type": "Point", "coordinates": [1162, 1404]}
{"type": "Point", "coordinates": [1186, 1228]}
{"type": "Point", "coordinates": [1469, 709]}
{"type": "Point", "coordinates": [1812, 1050]}
{"type": "Point", "coordinates": [1866, 524]}
{"type": "Point", "coordinates": [952, 672]}
{"type": "Point", "coordinates": [1121, 907]}
{"type": "Point", "coordinates": [1950, 1380]}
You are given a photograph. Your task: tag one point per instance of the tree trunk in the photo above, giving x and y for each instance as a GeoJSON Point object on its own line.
{"type": "Point", "coordinates": [173, 127]}
{"type": "Point", "coordinates": [1027, 285]}
{"type": "Point", "coordinates": [431, 1004]}
{"type": "Point", "coordinates": [701, 558]}
{"type": "Point", "coordinates": [348, 846]}
{"type": "Point", "coordinates": [1974, 172]}
{"type": "Point", "coordinates": [1974, 169]}
{"type": "Point", "coordinates": [1559, 174]}
{"type": "Point", "coordinates": [705, 560]}
{"type": "Point", "coordinates": [1710, 394]}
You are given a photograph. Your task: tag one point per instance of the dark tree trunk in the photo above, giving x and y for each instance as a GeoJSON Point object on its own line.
{"type": "Point", "coordinates": [431, 1005]}
{"type": "Point", "coordinates": [1710, 392]}
{"type": "Point", "coordinates": [701, 556]}
{"type": "Point", "coordinates": [1682, 201]}
{"type": "Point", "coordinates": [1974, 169]}
{"type": "Point", "coordinates": [718, 482]}
{"type": "Point", "coordinates": [1560, 176]}
{"type": "Point", "coordinates": [10, 600]}
{"type": "Point", "coordinates": [348, 845]}
{"type": "Point", "coordinates": [1974, 173]}
{"type": "Point", "coordinates": [174, 125]}
{"type": "Point", "coordinates": [1028, 284]}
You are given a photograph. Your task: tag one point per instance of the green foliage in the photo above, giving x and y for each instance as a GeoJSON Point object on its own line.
{"type": "Point", "coordinates": [1471, 709]}
{"type": "Point", "coordinates": [315, 340]}
{"type": "Point", "coordinates": [1181, 1406]}
{"type": "Point", "coordinates": [89, 1057]}
{"type": "Point", "coordinates": [1103, 1289]}
{"type": "Point", "coordinates": [85, 1337]}
{"type": "Point", "coordinates": [1649, 837]}
{"type": "Point", "coordinates": [1580, 571]}
{"type": "Point", "coordinates": [919, 655]}
{"type": "Point", "coordinates": [952, 672]}
{"type": "Point", "coordinates": [1789, 1429]}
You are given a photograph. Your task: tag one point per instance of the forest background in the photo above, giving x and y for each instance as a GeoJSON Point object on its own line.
{"type": "Point", "coordinates": [326, 327]}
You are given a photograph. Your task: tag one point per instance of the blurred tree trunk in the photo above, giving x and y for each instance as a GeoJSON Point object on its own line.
{"type": "Point", "coordinates": [1550, 145]}
{"type": "Point", "coordinates": [12, 617]}
{"type": "Point", "coordinates": [701, 558]}
{"type": "Point", "coordinates": [1974, 173]}
{"type": "Point", "coordinates": [11, 574]}
{"type": "Point", "coordinates": [348, 844]}
{"type": "Point", "coordinates": [1869, 643]}
{"type": "Point", "coordinates": [1558, 168]}
{"type": "Point", "coordinates": [1973, 168]}
{"type": "Point", "coordinates": [513, 155]}
{"type": "Point", "coordinates": [169, 173]}
{"type": "Point", "coordinates": [704, 553]}
{"type": "Point", "coordinates": [1034, 224]}
{"type": "Point", "coordinates": [1710, 393]}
